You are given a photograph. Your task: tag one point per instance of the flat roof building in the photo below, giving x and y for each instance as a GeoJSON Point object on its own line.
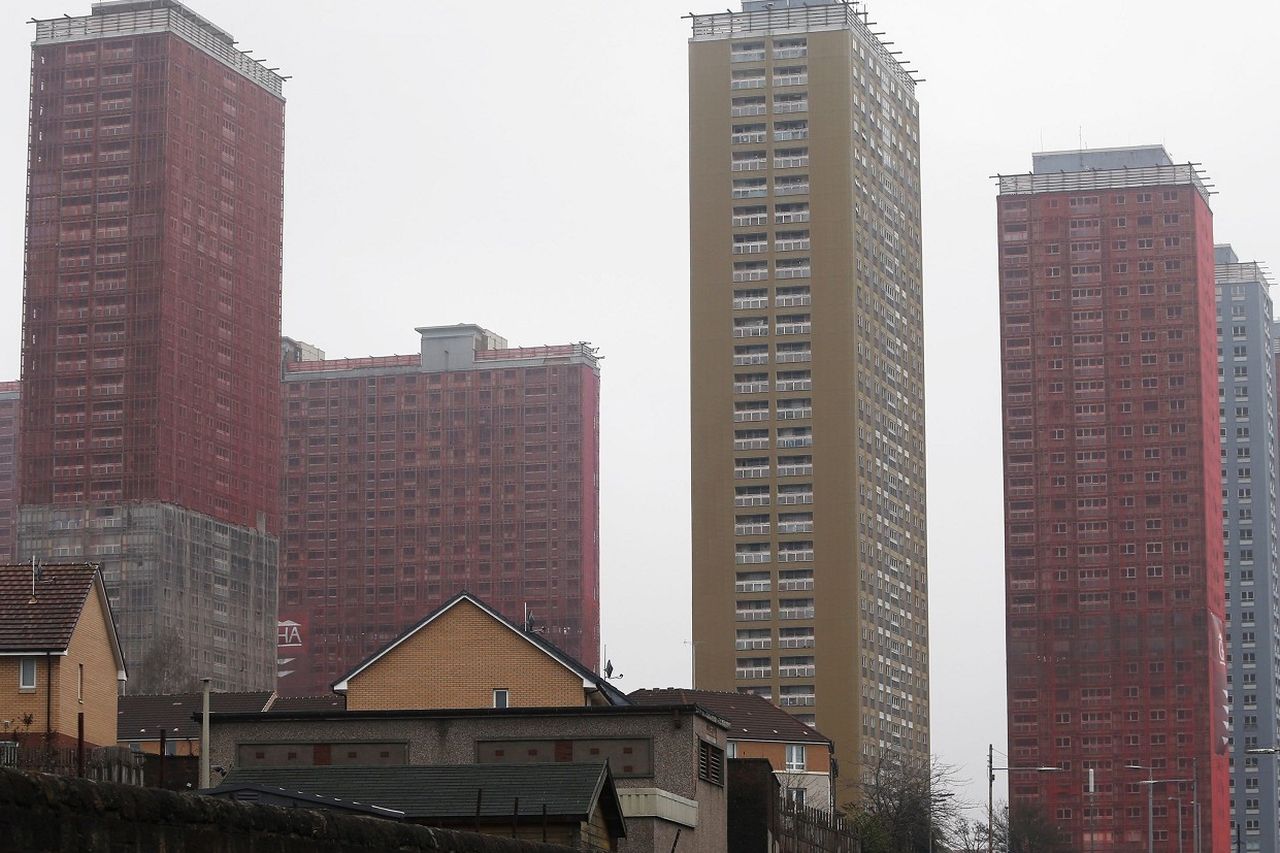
{"type": "Point", "coordinates": [1113, 506]}
{"type": "Point", "coordinates": [807, 374]}
{"type": "Point", "coordinates": [470, 465]}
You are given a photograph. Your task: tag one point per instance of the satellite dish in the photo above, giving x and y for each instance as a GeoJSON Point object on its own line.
{"type": "Point", "coordinates": [608, 669]}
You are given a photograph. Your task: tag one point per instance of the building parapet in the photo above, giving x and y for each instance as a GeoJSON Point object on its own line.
{"type": "Point", "coordinates": [839, 15]}
{"type": "Point", "coordinates": [123, 18]}
{"type": "Point", "coordinates": [1105, 179]}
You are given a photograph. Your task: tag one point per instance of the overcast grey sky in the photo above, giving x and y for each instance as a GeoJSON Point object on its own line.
{"type": "Point", "coordinates": [523, 166]}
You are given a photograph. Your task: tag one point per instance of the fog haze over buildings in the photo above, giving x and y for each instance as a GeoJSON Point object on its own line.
{"type": "Point", "coordinates": [523, 166]}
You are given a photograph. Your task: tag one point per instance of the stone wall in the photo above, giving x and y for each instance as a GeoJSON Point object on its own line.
{"type": "Point", "coordinates": [52, 813]}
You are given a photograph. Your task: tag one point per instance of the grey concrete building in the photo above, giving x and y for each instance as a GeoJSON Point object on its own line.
{"type": "Point", "coordinates": [667, 760]}
{"type": "Point", "coordinates": [1247, 412]}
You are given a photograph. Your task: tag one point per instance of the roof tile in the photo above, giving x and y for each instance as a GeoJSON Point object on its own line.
{"type": "Point", "coordinates": [41, 617]}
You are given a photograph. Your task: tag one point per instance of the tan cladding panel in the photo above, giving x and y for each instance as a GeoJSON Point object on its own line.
{"type": "Point", "coordinates": [91, 647]}
{"type": "Point", "coordinates": [457, 661]}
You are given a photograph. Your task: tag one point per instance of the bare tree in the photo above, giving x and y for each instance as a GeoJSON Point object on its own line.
{"type": "Point", "coordinates": [900, 798]}
{"type": "Point", "coordinates": [1024, 830]}
{"type": "Point", "coordinates": [164, 667]}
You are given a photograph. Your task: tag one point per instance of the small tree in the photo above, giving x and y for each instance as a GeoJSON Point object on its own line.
{"type": "Point", "coordinates": [164, 667]}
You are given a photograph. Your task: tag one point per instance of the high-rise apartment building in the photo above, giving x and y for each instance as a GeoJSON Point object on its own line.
{"type": "Point", "coordinates": [469, 466]}
{"type": "Point", "coordinates": [809, 580]}
{"type": "Point", "coordinates": [1113, 510]}
{"type": "Point", "coordinates": [10, 394]}
{"type": "Point", "coordinates": [1247, 417]}
{"type": "Point", "coordinates": [151, 333]}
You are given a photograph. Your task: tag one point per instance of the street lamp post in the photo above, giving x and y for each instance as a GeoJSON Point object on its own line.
{"type": "Point", "coordinates": [991, 781]}
{"type": "Point", "coordinates": [1178, 800]}
{"type": "Point", "coordinates": [1151, 783]}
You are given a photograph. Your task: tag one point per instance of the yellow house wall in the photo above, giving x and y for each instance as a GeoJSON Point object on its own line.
{"type": "Point", "coordinates": [91, 646]}
{"type": "Point", "coordinates": [457, 662]}
{"type": "Point", "coordinates": [14, 703]}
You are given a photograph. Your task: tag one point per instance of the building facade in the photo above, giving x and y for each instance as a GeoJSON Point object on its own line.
{"type": "Point", "coordinates": [151, 331]}
{"type": "Point", "coordinates": [10, 394]}
{"type": "Point", "coordinates": [470, 466]}
{"type": "Point", "coordinates": [1247, 417]}
{"type": "Point", "coordinates": [1113, 510]}
{"type": "Point", "coordinates": [807, 372]}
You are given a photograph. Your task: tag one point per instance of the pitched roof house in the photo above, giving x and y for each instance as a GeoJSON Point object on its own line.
{"type": "Point", "coordinates": [465, 654]}
{"type": "Point", "coordinates": [59, 655]}
{"type": "Point", "coordinates": [799, 754]}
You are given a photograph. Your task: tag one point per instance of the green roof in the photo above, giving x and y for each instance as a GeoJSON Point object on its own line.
{"type": "Point", "coordinates": [449, 793]}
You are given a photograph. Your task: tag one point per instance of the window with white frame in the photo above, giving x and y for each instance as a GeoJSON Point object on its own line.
{"type": "Point", "coordinates": [795, 756]}
{"type": "Point", "coordinates": [27, 674]}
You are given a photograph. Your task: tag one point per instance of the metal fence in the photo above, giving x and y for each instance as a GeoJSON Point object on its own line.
{"type": "Point", "coordinates": [102, 764]}
{"type": "Point", "coordinates": [801, 829]}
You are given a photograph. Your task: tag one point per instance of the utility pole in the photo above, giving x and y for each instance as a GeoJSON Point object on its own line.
{"type": "Point", "coordinates": [991, 784]}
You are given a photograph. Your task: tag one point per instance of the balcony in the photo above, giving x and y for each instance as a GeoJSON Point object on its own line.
{"type": "Point", "coordinates": [795, 498]}
{"type": "Point", "coordinates": [797, 700]}
{"type": "Point", "coordinates": [792, 300]}
{"type": "Point", "coordinates": [752, 644]}
{"type": "Point", "coordinates": [793, 356]}
{"type": "Point", "coordinates": [752, 529]}
{"type": "Point", "coordinates": [753, 614]}
{"type": "Point", "coordinates": [752, 108]}
{"type": "Point", "coordinates": [742, 220]}
{"type": "Point", "coordinates": [753, 672]}
{"type": "Point", "coordinates": [795, 555]}
{"type": "Point", "coordinates": [795, 612]}
{"type": "Point", "coordinates": [741, 303]}
{"type": "Point", "coordinates": [791, 51]}
{"type": "Point", "coordinates": [752, 330]}
{"type": "Point", "coordinates": [755, 271]}
{"type": "Point", "coordinates": [742, 359]}
{"type": "Point", "coordinates": [752, 585]}
{"type": "Point", "coordinates": [794, 269]}
{"type": "Point", "coordinates": [797, 79]}
{"type": "Point", "coordinates": [748, 82]}
{"type": "Point", "coordinates": [751, 387]}
{"type": "Point", "coordinates": [754, 472]}
{"type": "Point", "coordinates": [796, 671]}
{"type": "Point", "coordinates": [794, 413]}
{"type": "Point", "coordinates": [795, 384]}
{"type": "Point", "coordinates": [796, 585]}
{"type": "Point", "coordinates": [790, 161]}
{"type": "Point", "coordinates": [790, 105]}
{"type": "Point", "coordinates": [753, 55]}
{"type": "Point", "coordinates": [750, 247]}
{"type": "Point", "coordinates": [785, 527]}
{"type": "Point", "coordinates": [791, 134]}
{"type": "Point", "coordinates": [745, 558]}
{"type": "Point", "coordinates": [802, 328]}
{"type": "Point", "coordinates": [751, 443]}
{"type": "Point", "coordinates": [791, 187]}
{"type": "Point", "coordinates": [751, 415]}
{"type": "Point", "coordinates": [786, 214]}
{"type": "Point", "coordinates": [792, 244]}
{"type": "Point", "coordinates": [796, 642]}
{"type": "Point", "coordinates": [749, 498]}
{"type": "Point", "coordinates": [795, 469]}
{"type": "Point", "coordinates": [748, 163]}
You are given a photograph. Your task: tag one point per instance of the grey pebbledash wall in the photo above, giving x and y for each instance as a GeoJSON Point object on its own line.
{"type": "Point", "coordinates": [42, 813]}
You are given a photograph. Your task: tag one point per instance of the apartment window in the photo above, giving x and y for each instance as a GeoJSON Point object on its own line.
{"type": "Point", "coordinates": [795, 756]}
{"type": "Point", "coordinates": [27, 674]}
{"type": "Point", "coordinates": [501, 697]}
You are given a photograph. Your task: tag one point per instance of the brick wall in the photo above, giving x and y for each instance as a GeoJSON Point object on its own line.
{"type": "Point", "coordinates": [49, 813]}
{"type": "Point", "coordinates": [91, 646]}
{"type": "Point", "coordinates": [457, 662]}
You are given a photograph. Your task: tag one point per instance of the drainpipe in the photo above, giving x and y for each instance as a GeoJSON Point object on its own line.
{"type": "Point", "coordinates": [48, 699]}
